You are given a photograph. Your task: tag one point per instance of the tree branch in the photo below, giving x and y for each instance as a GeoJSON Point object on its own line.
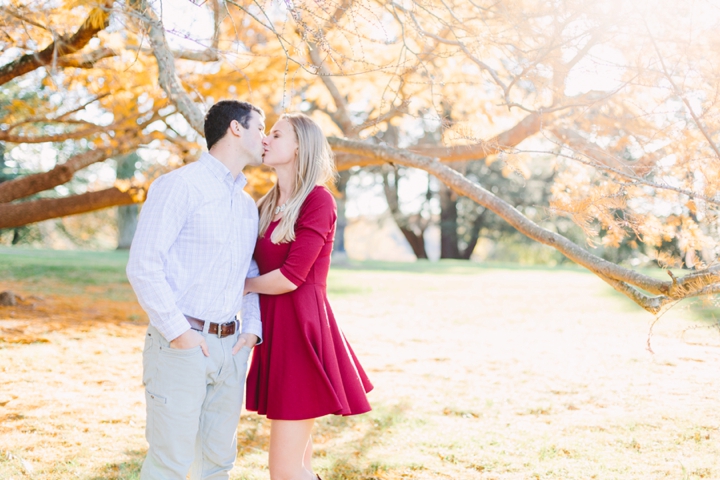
{"type": "Point", "coordinates": [97, 20]}
{"type": "Point", "coordinates": [341, 115]}
{"type": "Point", "coordinates": [602, 160]}
{"type": "Point", "coordinates": [167, 75]}
{"type": "Point", "coordinates": [63, 173]}
{"type": "Point", "coordinates": [463, 186]}
{"type": "Point", "coordinates": [685, 101]}
{"type": "Point", "coordinates": [528, 126]}
{"type": "Point", "coordinates": [87, 60]}
{"type": "Point", "coordinates": [6, 136]}
{"type": "Point", "coordinates": [19, 214]}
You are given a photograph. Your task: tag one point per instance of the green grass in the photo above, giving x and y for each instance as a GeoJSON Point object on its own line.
{"type": "Point", "coordinates": [447, 267]}
{"type": "Point", "coordinates": [79, 268]}
{"type": "Point", "coordinates": [73, 267]}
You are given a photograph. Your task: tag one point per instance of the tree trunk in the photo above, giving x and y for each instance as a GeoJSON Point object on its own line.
{"type": "Point", "coordinates": [448, 223]}
{"type": "Point", "coordinates": [127, 219]}
{"type": "Point", "coordinates": [415, 239]}
{"type": "Point", "coordinates": [474, 235]}
{"type": "Point", "coordinates": [127, 215]}
{"type": "Point", "coordinates": [339, 252]}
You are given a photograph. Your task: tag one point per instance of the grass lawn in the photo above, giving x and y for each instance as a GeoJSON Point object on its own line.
{"type": "Point", "coordinates": [480, 372]}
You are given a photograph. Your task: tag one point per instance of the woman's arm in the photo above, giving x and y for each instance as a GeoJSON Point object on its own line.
{"type": "Point", "coordinates": [315, 223]}
{"type": "Point", "coordinates": [272, 283]}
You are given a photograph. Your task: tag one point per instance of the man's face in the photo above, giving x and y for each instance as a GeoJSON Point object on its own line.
{"type": "Point", "coordinates": [251, 139]}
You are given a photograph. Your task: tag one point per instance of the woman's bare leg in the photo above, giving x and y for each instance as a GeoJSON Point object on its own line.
{"type": "Point", "coordinates": [307, 458]}
{"type": "Point", "coordinates": [288, 446]}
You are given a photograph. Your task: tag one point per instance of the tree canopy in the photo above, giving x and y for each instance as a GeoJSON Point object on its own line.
{"type": "Point", "coordinates": [619, 99]}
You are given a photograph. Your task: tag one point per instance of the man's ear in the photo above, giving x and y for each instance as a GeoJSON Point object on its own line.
{"type": "Point", "coordinates": [236, 128]}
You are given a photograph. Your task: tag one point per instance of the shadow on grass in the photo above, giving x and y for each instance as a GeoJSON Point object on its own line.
{"type": "Point", "coordinates": [343, 442]}
{"type": "Point", "coordinates": [253, 434]}
{"type": "Point", "coordinates": [348, 459]}
{"type": "Point", "coordinates": [125, 470]}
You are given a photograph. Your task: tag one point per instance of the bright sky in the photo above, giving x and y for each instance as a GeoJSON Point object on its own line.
{"type": "Point", "coordinates": [190, 25]}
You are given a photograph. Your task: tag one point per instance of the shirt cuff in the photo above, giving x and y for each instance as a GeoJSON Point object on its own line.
{"type": "Point", "coordinates": [173, 329]}
{"type": "Point", "coordinates": [254, 327]}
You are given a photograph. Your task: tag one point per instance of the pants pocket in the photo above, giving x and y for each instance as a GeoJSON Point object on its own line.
{"type": "Point", "coordinates": [241, 362]}
{"type": "Point", "coordinates": [180, 352]}
{"type": "Point", "coordinates": [179, 373]}
{"type": "Point", "coordinates": [150, 351]}
{"type": "Point", "coordinates": [152, 402]}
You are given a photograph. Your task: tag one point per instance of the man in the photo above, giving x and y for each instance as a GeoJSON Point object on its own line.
{"type": "Point", "coordinates": [188, 263]}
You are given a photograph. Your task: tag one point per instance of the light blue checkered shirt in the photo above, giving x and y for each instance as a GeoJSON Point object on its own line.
{"type": "Point", "coordinates": [193, 248]}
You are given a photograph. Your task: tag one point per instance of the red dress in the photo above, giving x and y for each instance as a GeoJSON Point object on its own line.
{"type": "Point", "coordinates": [304, 368]}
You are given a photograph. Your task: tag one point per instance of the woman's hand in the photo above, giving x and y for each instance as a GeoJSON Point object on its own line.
{"type": "Point", "coordinates": [272, 283]}
{"type": "Point", "coordinates": [248, 285]}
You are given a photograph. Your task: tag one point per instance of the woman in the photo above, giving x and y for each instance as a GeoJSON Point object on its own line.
{"type": "Point", "coordinates": [304, 369]}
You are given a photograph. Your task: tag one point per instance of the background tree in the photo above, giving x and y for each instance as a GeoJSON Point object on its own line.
{"type": "Point", "coordinates": [127, 215]}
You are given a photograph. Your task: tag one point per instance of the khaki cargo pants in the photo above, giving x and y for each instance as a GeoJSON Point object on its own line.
{"type": "Point", "coordinates": [193, 407]}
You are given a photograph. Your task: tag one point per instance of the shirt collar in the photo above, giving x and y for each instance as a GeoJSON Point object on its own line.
{"type": "Point", "coordinates": [215, 166]}
{"type": "Point", "coordinates": [220, 171]}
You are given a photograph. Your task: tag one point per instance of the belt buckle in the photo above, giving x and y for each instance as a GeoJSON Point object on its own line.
{"type": "Point", "coordinates": [220, 327]}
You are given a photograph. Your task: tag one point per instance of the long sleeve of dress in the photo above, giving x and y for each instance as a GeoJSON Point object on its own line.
{"type": "Point", "coordinates": [314, 225]}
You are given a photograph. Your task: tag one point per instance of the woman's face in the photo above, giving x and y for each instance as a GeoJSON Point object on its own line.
{"type": "Point", "coordinates": [281, 145]}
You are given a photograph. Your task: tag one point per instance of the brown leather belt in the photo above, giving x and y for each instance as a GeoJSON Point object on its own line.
{"type": "Point", "coordinates": [220, 329]}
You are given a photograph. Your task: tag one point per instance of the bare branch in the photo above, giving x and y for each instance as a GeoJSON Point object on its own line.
{"type": "Point", "coordinates": [602, 160]}
{"type": "Point", "coordinates": [23, 18]}
{"type": "Point", "coordinates": [341, 111]}
{"type": "Point", "coordinates": [456, 43]}
{"type": "Point", "coordinates": [680, 94]}
{"type": "Point", "coordinates": [167, 76]}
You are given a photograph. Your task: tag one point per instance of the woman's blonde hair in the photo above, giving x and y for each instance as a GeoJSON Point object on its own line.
{"type": "Point", "coordinates": [315, 166]}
